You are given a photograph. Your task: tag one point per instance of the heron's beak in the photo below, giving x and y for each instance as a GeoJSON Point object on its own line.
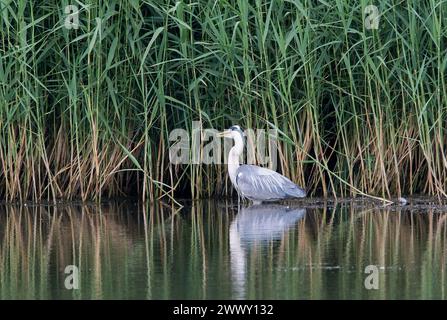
{"type": "Point", "coordinates": [226, 133]}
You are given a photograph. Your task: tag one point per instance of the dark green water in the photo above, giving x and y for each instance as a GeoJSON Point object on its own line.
{"type": "Point", "coordinates": [212, 250]}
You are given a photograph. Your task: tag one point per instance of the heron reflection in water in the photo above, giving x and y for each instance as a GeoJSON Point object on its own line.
{"type": "Point", "coordinates": [257, 225]}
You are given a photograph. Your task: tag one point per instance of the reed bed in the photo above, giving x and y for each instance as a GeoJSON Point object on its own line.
{"type": "Point", "coordinates": [86, 113]}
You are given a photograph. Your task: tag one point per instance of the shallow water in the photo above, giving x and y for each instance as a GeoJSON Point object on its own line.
{"type": "Point", "coordinates": [213, 250]}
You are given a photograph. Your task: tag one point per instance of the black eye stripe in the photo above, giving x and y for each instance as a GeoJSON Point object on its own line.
{"type": "Point", "coordinates": [238, 129]}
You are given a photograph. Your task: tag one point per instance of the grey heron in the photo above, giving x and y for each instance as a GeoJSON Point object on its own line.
{"type": "Point", "coordinates": [256, 183]}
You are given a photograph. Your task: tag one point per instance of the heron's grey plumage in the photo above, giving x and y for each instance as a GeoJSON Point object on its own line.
{"type": "Point", "coordinates": [262, 184]}
{"type": "Point", "coordinates": [256, 183]}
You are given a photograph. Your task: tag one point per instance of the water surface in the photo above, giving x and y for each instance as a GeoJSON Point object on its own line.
{"type": "Point", "coordinates": [215, 250]}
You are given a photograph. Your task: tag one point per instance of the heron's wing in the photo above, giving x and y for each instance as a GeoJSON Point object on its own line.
{"type": "Point", "coordinates": [264, 184]}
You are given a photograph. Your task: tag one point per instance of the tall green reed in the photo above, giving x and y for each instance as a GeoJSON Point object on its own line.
{"type": "Point", "coordinates": [86, 112]}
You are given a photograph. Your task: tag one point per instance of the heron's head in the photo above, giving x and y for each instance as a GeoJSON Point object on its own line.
{"type": "Point", "coordinates": [233, 132]}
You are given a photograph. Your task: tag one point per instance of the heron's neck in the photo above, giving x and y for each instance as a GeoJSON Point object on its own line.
{"type": "Point", "coordinates": [233, 158]}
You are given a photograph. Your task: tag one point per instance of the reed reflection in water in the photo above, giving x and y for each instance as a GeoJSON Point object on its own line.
{"type": "Point", "coordinates": [212, 250]}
